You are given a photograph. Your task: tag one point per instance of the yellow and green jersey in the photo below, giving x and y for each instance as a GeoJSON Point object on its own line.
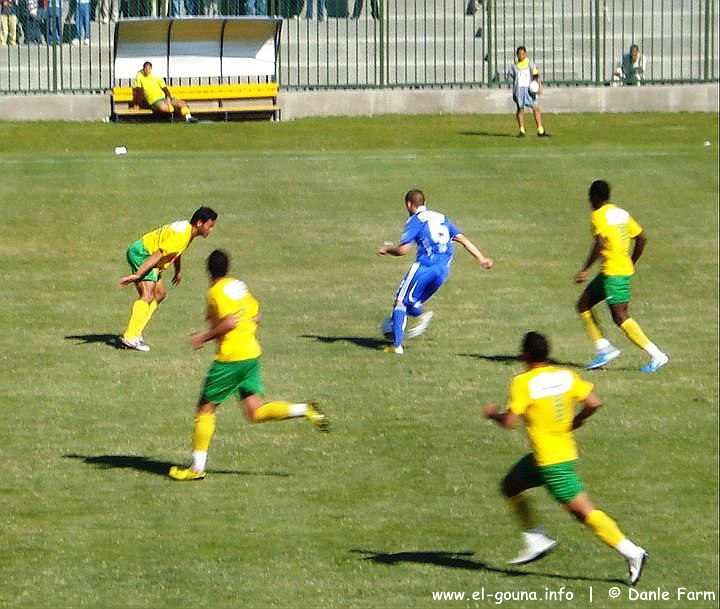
{"type": "Point", "coordinates": [546, 397]}
{"type": "Point", "coordinates": [152, 86]}
{"type": "Point", "coordinates": [616, 229]}
{"type": "Point", "coordinates": [171, 239]}
{"type": "Point", "coordinates": [231, 297]}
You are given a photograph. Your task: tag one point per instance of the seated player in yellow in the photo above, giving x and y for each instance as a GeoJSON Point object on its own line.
{"type": "Point", "coordinates": [152, 92]}
{"type": "Point", "coordinates": [545, 397]}
{"type": "Point", "coordinates": [233, 316]}
{"type": "Point", "coordinates": [148, 257]}
{"type": "Point", "coordinates": [614, 230]}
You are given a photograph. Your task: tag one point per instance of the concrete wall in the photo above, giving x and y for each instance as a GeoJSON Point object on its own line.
{"type": "Point", "coordinates": [302, 104]}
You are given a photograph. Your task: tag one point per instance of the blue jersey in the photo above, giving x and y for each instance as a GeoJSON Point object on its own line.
{"type": "Point", "coordinates": [433, 233]}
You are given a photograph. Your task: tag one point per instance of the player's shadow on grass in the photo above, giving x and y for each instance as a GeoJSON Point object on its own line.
{"type": "Point", "coordinates": [462, 560]}
{"type": "Point", "coordinates": [160, 468]}
{"type": "Point", "coordinates": [111, 340]}
{"type": "Point", "coordinates": [486, 134]}
{"type": "Point", "coordinates": [360, 341]}
{"type": "Point", "coordinates": [509, 359]}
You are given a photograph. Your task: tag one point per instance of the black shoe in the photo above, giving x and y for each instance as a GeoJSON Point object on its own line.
{"type": "Point", "coordinates": [521, 134]}
{"type": "Point", "coordinates": [544, 134]}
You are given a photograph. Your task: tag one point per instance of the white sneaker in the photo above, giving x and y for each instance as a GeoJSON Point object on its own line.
{"type": "Point", "coordinates": [603, 358]}
{"type": "Point", "coordinates": [75, 42]}
{"type": "Point", "coordinates": [86, 42]}
{"type": "Point", "coordinates": [656, 363]}
{"type": "Point", "coordinates": [136, 343]}
{"type": "Point", "coordinates": [537, 545]}
{"type": "Point", "coordinates": [635, 566]}
{"type": "Point", "coordinates": [396, 350]}
{"type": "Point", "coordinates": [421, 325]}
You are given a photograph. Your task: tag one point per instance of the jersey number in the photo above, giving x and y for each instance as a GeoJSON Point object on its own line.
{"type": "Point", "coordinates": [440, 234]}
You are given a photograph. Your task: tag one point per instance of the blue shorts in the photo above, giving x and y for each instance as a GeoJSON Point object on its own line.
{"type": "Point", "coordinates": [523, 99]}
{"type": "Point", "coordinates": [420, 283]}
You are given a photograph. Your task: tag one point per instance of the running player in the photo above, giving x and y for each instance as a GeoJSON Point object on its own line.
{"type": "Point", "coordinates": [545, 397]}
{"type": "Point", "coordinates": [233, 316]}
{"type": "Point", "coordinates": [614, 230]}
{"type": "Point", "coordinates": [433, 233]}
{"type": "Point", "coordinates": [148, 257]}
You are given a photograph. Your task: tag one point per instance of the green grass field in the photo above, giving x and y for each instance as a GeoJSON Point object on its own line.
{"type": "Point", "coordinates": [401, 499]}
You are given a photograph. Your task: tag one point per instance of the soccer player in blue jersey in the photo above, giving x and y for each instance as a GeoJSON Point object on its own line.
{"type": "Point", "coordinates": [433, 233]}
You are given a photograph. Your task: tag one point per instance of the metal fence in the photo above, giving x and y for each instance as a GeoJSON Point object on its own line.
{"type": "Point", "coordinates": [384, 43]}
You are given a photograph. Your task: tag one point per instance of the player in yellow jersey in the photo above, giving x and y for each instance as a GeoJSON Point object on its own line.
{"type": "Point", "coordinates": [233, 315]}
{"type": "Point", "coordinates": [151, 91]}
{"type": "Point", "coordinates": [614, 231]}
{"type": "Point", "coordinates": [148, 257]}
{"type": "Point", "coordinates": [545, 397]}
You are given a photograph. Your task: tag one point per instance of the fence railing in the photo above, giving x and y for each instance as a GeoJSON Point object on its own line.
{"type": "Point", "coordinates": [385, 43]}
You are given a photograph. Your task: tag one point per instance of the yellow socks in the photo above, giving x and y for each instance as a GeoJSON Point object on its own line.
{"type": "Point", "coordinates": [634, 332]}
{"type": "Point", "coordinates": [521, 507]}
{"type": "Point", "coordinates": [541, 129]}
{"type": "Point", "coordinates": [202, 434]}
{"type": "Point", "coordinates": [278, 410]}
{"type": "Point", "coordinates": [591, 326]}
{"type": "Point", "coordinates": [184, 110]}
{"type": "Point", "coordinates": [604, 527]}
{"type": "Point", "coordinates": [139, 316]}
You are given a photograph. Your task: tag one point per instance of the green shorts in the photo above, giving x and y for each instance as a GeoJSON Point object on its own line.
{"type": "Point", "coordinates": [162, 99]}
{"type": "Point", "coordinates": [613, 288]}
{"type": "Point", "coordinates": [559, 479]}
{"type": "Point", "coordinates": [225, 378]}
{"type": "Point", "coordinates": [136, 255]}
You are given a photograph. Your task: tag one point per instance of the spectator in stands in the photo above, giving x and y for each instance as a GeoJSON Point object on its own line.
{"type": "Point", "coordinates": [175, 9]}
{"type": "Point", "coordinates": [358, 7]}
{"type": "Point", "coordinates": [54, 21]}
{"type": "Point", "coordinates": [152, 92]}
{"type": "Point", "coordinates": [320, 9]}
{"type": "Point", "coordinates": [31, 23]}
{"type": "Point", "coordinates": [109, 10]}
{"type": "Point", "coordinates": [523, 72]}
{"type": "Point", "coordinates": [82, 22]}
{"type": "Point", "coordinates": [631, 68]}
{"type": "Point", "coordinates": [211, 8]}
{"type": "Point", "coordinates": [8, 22]}
{"type": "Point", "coordinates": [159, 8]}
{"type": "Point", "coordinates": [255, 7]}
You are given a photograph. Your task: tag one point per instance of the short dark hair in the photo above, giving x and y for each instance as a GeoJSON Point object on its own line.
{"type": "Point", "coordinates": [520, 48]}
{"type": "Point", "coordinates": [203, 214]}
{"type": "Point", "coordinates": [599, 191]}
{"type": "Point", "coordinates": [535, 347]}
{"type": "Point", "coordinates": [147, 63]}
{"type": "Point", "coordinates": [415, 196]}
{"type": "Point", "coordinates": [218, 263]}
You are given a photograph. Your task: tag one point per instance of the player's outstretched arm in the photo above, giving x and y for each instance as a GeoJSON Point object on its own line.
{"type": "Point", "coordinates": [225, 325]}
{"type": "Point", "coordinates": [590, 405]}
{"type": "Point", "coordinates": [393, 250]}
{"type": "Point", "coordinates": [507, 419]}
{"type": "Point", "coordinates": [594, 254]}
{"type": "Point", "coordinates": [638, 248]}
{"type": "Point", "coordinates": [486, 263]}
{"type": "Point", "coordinates": [143, 269]}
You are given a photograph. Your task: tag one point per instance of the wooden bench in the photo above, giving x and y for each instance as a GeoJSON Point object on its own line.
{"type": "Point", "coordinates": [258, 100]}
